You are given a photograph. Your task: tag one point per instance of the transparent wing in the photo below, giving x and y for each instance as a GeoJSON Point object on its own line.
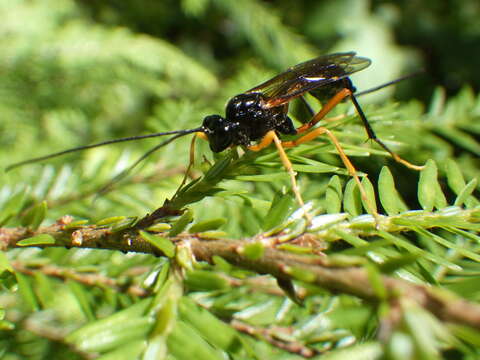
{"type": "Point", "coordinates": [308, 76]}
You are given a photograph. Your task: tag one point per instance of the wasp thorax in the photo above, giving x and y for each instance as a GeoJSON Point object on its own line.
{"type": "Point", "coordinates": [253, 118]}
{"type": "Point", "coordinates": [247, 119]}
{"type": "Point", "coordinates": [245, 107]}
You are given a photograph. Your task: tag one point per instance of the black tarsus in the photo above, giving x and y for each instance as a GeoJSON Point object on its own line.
{"type": "Point", "coordinates": [371, 134]}
{"type": "Point", "coordinates": [177, 133]}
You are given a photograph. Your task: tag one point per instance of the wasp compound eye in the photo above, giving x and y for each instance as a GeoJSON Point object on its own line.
{"type": "Point", "coordinates": [212, 122]}
{"type": "Point", "coordinates": [219, 132]}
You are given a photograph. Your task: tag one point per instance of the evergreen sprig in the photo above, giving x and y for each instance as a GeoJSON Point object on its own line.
{"type": "Point", "coordinates": [226, 266]}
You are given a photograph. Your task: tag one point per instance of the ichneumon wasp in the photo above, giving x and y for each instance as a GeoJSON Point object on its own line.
{"type": "Point", "coordinates": [259, 116]}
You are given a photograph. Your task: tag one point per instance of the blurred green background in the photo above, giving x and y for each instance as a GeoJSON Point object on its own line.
{"type": "Point", "coordinates": [79, 72]}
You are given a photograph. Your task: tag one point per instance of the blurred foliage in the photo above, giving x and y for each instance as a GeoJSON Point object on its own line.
{"type": "Point", "coordinates": [77, 72]}
{"type": "Point", "coordinates": [445, 35]}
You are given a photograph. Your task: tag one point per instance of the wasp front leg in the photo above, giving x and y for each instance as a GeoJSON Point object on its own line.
{"type": "Point", "coordinates": [270, 137]}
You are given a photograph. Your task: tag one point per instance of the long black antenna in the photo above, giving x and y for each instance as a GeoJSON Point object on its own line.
{"type": "Point", "coordinates": [178, 134]}
{"type": "Point", "coordinates": [379, 87]}
{"type": "Point", "coordinates": [125, 172]}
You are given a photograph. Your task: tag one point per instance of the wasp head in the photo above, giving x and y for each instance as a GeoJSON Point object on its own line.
{"type": "Point", "coordinates": [219, 131]}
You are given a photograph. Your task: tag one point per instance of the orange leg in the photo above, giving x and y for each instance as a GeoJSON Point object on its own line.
{"type": "Point", "coordinates": [346, 161]}
{"type": "Point", "coordinates": [191, 161]}
{"type": "Point", "coordinates": [271, 136]}
{"type": "Point", "coordinates": [201, 135]}
{"type": "Point", "coordinates": [267, 140]}
{"type": "Point", "coordinates": [334, 101]}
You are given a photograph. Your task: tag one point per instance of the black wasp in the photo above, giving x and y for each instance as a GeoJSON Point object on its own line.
{"type": "Point", "coordinates": [259, 116]}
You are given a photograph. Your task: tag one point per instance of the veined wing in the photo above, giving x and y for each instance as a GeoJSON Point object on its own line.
{"type": "Point", "coordinates": [308, 76]}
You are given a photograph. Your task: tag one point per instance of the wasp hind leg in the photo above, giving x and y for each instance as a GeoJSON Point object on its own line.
{"type": "Point", "coordinates": [346, 161]}
{"type": "Point", "coordinates": [371, 135]}
{"type": "Point", "coordinates": [338, 98]}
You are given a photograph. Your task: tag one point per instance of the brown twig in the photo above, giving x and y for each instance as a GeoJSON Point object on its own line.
{"type": "Point", "coordinates": [317, 270]}
{"type": "Point", "coordinates": [84, 278]}
{"type": "Point", "coordinates": [268, 335]}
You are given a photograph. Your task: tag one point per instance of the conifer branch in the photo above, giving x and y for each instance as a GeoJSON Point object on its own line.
{"type": "Point", "coordinates": [314, 269]}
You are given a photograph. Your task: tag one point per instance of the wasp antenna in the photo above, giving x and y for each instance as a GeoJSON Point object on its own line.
{"type": "Point", "coordinates": [125, 172]}
{"type": "Point", "coordinates": [379, 87]}
{"type": "Point", "coordinates": [178, 134]}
